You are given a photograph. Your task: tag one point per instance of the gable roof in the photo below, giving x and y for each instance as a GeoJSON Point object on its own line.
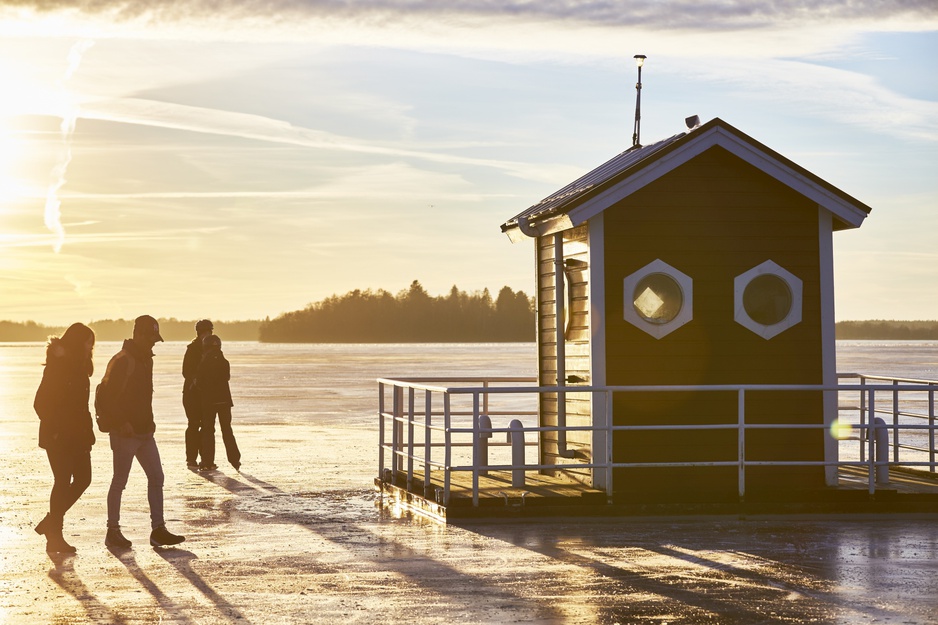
{"type": "Point", "coordinates": [638, 166]}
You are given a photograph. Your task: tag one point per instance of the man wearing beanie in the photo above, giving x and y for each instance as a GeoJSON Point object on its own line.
{"type": "Point", "coordinates": [130, 382]}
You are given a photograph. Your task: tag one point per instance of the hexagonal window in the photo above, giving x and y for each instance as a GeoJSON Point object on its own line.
{"type": "Point", "coordinates": [658, 299]}
{"type": "Point", "coordinates": [768, 299]}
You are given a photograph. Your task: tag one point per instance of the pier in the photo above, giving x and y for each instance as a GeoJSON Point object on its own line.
{"type": "Point", "coordinates": [457, 448]}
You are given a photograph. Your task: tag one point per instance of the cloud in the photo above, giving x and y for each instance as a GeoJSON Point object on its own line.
{"type": "Point", "coordinates": [682, 14]}
{"type": "Point", "coordinates": [260, 128]}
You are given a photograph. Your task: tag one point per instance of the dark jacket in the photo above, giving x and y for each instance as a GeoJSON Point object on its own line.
{"type": "Point", "coordinates": [135, 402]}
{"type": "Point", "coordinates": [190, 364]}
{"type": "Point", "coordinates": [62, 402]}
{"type": "Point", "coordinates": [212, 379]}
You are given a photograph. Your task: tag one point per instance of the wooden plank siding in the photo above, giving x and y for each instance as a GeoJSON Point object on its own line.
{"type": "Point", "coordinates": [713, 218]}
{"type": "Point", "coordinates": [576, 332]}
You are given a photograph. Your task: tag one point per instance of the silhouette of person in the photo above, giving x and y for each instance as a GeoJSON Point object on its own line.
{"type": "Point", "coordinates": [212, 380]}
{"type": "Point", "coordinates": [131, 371]}
{"type": "Point", "coordinates": [66, 429]}
{"type": "Point", "coordinates": [190, 394]}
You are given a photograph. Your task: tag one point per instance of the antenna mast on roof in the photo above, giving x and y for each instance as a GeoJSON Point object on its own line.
{"type": "Point", "coordinates": [639, 60]}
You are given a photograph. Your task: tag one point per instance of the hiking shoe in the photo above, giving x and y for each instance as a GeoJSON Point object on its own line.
{"type": "Point", "coordinates": [161, 537]}
{"type": "Point", "coordinates": [114, 538]}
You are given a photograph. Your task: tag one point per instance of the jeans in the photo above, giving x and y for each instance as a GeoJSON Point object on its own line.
{"type": "Point", "coordinates": [71, 470]}
{"type": "Point", "coordinates": [193, 407]}
{"type": "Point", "coordinates": [125, 449]}
{"type": "Point", "coordinates": [208, 434]}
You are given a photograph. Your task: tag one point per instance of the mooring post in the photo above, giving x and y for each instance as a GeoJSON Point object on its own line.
{"type": "Point", "coordinates": [516, 438]}
{"type": "Point", "coordinates": [881, 439]}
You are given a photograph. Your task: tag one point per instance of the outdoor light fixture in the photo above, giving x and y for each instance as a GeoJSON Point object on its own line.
{"type": "Point", "coordinates": [639, 61]}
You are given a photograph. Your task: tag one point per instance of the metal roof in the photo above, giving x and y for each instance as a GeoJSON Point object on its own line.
{"type": "Point", "coordinates": [620, 168]}
{"type": "Point", "coordinates": [557, 201]}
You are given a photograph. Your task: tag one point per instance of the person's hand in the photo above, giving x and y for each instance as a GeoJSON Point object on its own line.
{"type": "Point", "coordinates": [126, 429]}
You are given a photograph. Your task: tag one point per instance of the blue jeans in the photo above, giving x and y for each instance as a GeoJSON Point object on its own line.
{"type": "Point", "coordinates": [125, 449]}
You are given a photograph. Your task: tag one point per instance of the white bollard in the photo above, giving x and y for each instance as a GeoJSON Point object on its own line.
{"type": "Point", "coordinates": [516, 438]}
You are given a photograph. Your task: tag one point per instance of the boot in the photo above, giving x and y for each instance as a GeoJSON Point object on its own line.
{"type": "Point", "coordinates": [162, 537]}
{"type": "Point", "coordinates": [114, 538]}
{"type": "Point", "coordinates": [55, 542]}
{"type": "Point", "coordinates": [43, 525]}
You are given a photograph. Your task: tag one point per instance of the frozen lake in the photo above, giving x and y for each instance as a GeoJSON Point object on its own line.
{"type": "Point", "coordinates": [296, 537]}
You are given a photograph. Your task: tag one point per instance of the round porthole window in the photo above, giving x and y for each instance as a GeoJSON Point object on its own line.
{"type": "Point", "coordinates": [658, 299]}
{"type": "Point", "coordinates": [768, 299]}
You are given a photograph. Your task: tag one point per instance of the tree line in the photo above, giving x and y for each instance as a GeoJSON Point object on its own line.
{"type": "Point", "coordinates": [412, 315]}
{"type": "Point", "coordinates": [118, 329]}
{"type": "Point", "coordinates": [884, 330]}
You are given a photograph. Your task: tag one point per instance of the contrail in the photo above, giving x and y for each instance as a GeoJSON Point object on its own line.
{"type": "Point", "coordinates": [53, 214]}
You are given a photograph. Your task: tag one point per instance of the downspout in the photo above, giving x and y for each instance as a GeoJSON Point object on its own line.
{"type": "Point", "coordinates": [561, 339]}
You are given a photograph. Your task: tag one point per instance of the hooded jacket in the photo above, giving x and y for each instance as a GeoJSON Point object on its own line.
{"type": "Point", "coordinates": [62, 402]}
{"type": "Point", "coordinates": [212, 379]}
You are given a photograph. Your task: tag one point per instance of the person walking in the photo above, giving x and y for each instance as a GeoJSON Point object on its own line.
{"type": "Point", "coordinates": [190, 394]}
{"type": "Point", "coordinates": [66, 431]}
{"type": "Point", "coordinates": [212, 381]}
{"type": "Point", "coordinates": [130, 380]}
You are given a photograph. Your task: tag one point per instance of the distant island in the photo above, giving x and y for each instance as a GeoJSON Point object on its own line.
{"type": "Point", "coordinates": [411, 316]}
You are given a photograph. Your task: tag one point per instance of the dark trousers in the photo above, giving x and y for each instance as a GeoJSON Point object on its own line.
{"type": "Point", "coordinates": [227, 434]}
{"type": "Point", "coordinates": [193, 407]}
{"type": "Point", "coordinates": [71, 470]}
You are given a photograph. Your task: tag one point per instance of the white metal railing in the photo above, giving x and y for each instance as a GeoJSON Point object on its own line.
{"type": "Point", "coordinates": [462, 417]}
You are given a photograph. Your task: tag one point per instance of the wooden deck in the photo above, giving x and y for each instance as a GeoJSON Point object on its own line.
{"type": "Point", "coordinates": [545, 496]}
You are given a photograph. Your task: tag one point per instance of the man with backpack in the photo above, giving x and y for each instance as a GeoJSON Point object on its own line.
{"type": "Point", "coordinates": [124, 403]}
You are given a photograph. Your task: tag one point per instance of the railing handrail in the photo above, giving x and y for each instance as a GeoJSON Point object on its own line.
{"type": "Point", "coordinates": [405, 413]}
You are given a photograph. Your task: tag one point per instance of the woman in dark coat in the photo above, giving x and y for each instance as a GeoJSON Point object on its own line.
{"type": "Point", "coordinates": [212, 381]}
{"type": "Point", "coordinates": [65, 426]}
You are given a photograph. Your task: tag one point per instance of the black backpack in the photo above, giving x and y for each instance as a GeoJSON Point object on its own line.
{"type": "Point", "coordinates": [107, 393]}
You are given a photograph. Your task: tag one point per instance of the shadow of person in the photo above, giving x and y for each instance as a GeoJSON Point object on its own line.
{"type": "Point", "coordinates": [128, 559]}
{"type": "Point", "coordinates": [181, 560]}
{"type": "Point", "coordinates": [63, 574]}
{"type": "Point", "coordinates": [237, 486]}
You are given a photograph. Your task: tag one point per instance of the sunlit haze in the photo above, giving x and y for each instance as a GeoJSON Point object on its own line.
{"type": "Point", "coordinates": [201, 159]}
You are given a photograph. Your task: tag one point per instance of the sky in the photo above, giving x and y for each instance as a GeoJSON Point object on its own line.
{"type": "Point", "coordinates": [241, 159]}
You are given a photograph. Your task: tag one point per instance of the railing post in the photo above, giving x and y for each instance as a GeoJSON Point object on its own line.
{"type": "Point", "coordinates": [895, 422]}
{"type": "Point", "coordinates": [381, 430]}
{"type": "Point", "coordinates": [410, 438]}
{"type": "Point", "coordinates": [610, 446]}
{"type": "Point", "coordinates": [869, 440]}
{"type": "Point", "coordinates": [516, 438]}
{"type": "Point", "coordinates": [475, 448]}
{"type": "Point", "coordinates": [863, 432]}
{"type": "Point", "coordinates": [931, 427]}
{"type": "Point", "coordinates": [881, 438]}
{"type": "Point", "coordinates": [397, 431]}
{"type": "Point", "coordinates": [447, 447]}
{"type": "Point", "coordinates": [427, 441]}
{"type": "Point", "coordinates": [741, 415]}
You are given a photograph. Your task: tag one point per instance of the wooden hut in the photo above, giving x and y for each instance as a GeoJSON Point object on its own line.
{"type": "Point", "coordinates": [702, 259]}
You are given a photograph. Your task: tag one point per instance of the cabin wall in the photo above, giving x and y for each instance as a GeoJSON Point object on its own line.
{"type": "Point", "coordinates": [572, 359]}
{"type": "Point", "coordinates": [713, 218]}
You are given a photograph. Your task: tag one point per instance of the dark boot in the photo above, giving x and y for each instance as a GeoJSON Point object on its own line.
{"type": "Point", "coordinates": [43, 525]}
{"type": "Point", "coordinates": [55, 542]}
{"type": "Point", "coordinates": [114, 538]}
